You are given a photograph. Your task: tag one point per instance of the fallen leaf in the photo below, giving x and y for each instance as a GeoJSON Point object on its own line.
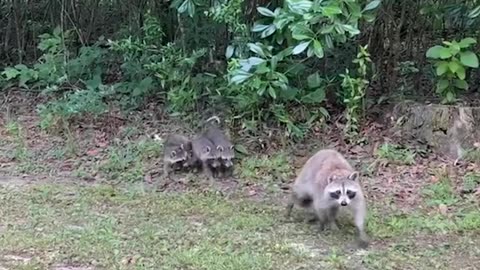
{"type": "Point", "coordinates": [92, 152]}
{"type": "Point", "coordinates": [102, 144]}
{"type": "Point", "coordinates": [443, 209]}
{"type": "Point", "coordinates": [148, 178]}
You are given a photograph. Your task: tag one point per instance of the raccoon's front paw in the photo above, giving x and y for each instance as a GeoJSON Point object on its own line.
{"type": "Point", "coordinates": [322, 227]}
{"type": "Point", "coordinates": [362, 244]}
{"type": "Point", "coordinates": [312, 219]}
{"type": "Point", "coordinates": [334, 226]}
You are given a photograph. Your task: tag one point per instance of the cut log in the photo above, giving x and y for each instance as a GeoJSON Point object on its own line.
{"type": "Point", "coordinates": [449, 130]}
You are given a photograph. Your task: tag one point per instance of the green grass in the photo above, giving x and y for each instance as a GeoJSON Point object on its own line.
{"type": "Point", "coordinates": [395, 154]}
{"type": "Point", "coordinates": [129, 228]}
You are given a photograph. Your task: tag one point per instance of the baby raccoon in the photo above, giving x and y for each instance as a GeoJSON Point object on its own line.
{"type": "Point", "coordinates": [176, 152]}
{"type": "Point", "coordinates": [327, 182]}
{"type": "Point", "coordinates": [222, 145]}
{"type": "Point", "coordinates": [204, 155]}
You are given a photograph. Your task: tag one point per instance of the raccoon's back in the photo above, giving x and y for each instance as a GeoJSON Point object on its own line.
{"type": "Point", "coordinates": [321, 165]}
{"type": "Point", "coordinates": [176, 140]}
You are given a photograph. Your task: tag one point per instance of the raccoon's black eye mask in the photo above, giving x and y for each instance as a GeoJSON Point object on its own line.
{"type": "Point", "coordinates": [351, 194]}
{"type": "Point", "coordinates": [335, 195]}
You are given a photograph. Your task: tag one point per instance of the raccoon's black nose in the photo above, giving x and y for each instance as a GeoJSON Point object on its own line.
{"type": "Point", "coordinates": [344, 203]}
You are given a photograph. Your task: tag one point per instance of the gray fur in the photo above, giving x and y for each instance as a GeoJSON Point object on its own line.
{"type": "Point", "coordinates": [203, 154]}
{"type": "Point", "coordinates": [324, 181]}
{"type": "Point", "coordinates": [223, 147]}
{"type": "Point", "coordinates": [176, 152]}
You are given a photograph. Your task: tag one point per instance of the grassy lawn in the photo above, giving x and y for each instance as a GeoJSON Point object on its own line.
{"type": "Point", "coordinates": [419, 217]}
{"type": "Point", "coordinates": [52, 225]}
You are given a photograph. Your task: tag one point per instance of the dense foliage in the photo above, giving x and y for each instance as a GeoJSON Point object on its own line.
{"type": "Point", "coordinates": [276, 63]}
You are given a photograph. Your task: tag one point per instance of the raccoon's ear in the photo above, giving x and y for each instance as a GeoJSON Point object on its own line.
{"type": "Point", "coordinates": [331, 178]}
{"type": "Point", "coordinates": [207, 149]}
{"type": "Point", "coordinates": [182, 146]}
{"type": "Point", "coordinates": [173, 154]}
{"type": "Point", "coordinates": [353, 176]}
{"type": "Point", "coordinates": [220, 148]}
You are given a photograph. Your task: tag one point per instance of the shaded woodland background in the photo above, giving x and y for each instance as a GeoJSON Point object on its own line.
{"type": "Point", "coordinates": [172, 54]}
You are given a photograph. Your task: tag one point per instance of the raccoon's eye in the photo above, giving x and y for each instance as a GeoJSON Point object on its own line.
{"type": "Point", "coordinates": [351, 194]}
{"type": "Point", "coordinates": [335, 195]}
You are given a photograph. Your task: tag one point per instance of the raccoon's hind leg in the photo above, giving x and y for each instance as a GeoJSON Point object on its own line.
{"type": "Point", "coordinates": [304, 201]}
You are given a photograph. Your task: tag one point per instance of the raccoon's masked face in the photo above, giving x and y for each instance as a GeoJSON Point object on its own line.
{"type": "Point", "coordinates": [226, 154]}
{"type": "Point", "coordinates": [342, 190]}
{"type": "Point", "coordinates": [178, 154]}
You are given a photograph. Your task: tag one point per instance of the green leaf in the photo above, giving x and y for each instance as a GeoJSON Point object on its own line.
{"type": "Point", "coordinates": [10, 73]}
{"type": "Point", "coordinates": [300, 47]}
{"type": "Point", "coordinates": [269, 31]}
{"type": "Point", "coordinates": [301, 32]}
{"type": "Point", "coordinates": [331, 10]}
{"type": "Point", "coordinates": [240, 77]}
{"type": "Point", "coordinates": [316, 96]}
{"type": "Point", "coordinates": [372, 5]}
{"type": "Point", "coordinates": [369, 18]}
{"type": "Point", "coordinates": [310, 52]}
{"type": "Point", "coordinates": [466, 42]}
{"type": "Point", "coordinates": [453, 66]}
{"type": "Point", "coordinates": [469, 59]}
{"type": "Point", "coordinates": [254, 61]}
{"type": "Point", "coordinates": [274, 62]}
{"type": "Point", "coordinates": [256, 49]}
{"type": "Point", "coordinates": [351, 29]}
{"type": "Point", "coordinates": [474, 13]}
{"type": "Point", "coordinates": [450, 97]}
{"type": "Point", "coordinates": [265, 12]}
{"type": "Point", "coordinates": [318, 49]}
{"type": "Point", "coordinates": [461, 84]}
{"type": "Point", "coordinates": [442, 68]}
{"type": "Point", "coordinates": [229, 52]}
{"type": "Point", "coordinates": [262, 69]}
{"type": "Point", "coordinates": [314, 80]}
{"type": "Point", "coordinates": [461, 73]}
{"type": "Point", "coordinates": [240, 149]}
{"type": "Point", "coordinates": [262, 89]}
{"type": "Point", "coordinates": [271, 92]}
{"type": "Point", "coordinates": [259, 27]}
{"type": "Point", "coordinates": [191, 8]}
{"type": "Point", "coordinates": [434, 52]}
{"type": "Point", "coordinates": [183, 7]}
{"type": "Point", "coordinates": [327, 29]}
{"type": "Point", "coordinates": [329, 41]}
{"type": "Point", "coordinates": [299, 6]}
{"type": "Point", "coordinates": [324, 112]}
{"type": "Point", "coordinates": [442, 85]}
{"type": "Point", "coordinates": [143, 87]}
{"type": "Point", "coordinates": [289, 94]}
{"type": "Point", "coordinates": [445, 53]}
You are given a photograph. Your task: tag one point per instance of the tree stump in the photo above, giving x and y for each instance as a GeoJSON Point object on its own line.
{"type": "Point", "coordinates": [449, 130]}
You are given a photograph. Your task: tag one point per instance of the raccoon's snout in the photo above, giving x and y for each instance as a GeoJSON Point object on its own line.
{"type": "Point", "coordinates": [343, 203]}
{"type": "Point", "coordinates": [215, 164]}
{"type": "Point", "coordinates": [228, 163]}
